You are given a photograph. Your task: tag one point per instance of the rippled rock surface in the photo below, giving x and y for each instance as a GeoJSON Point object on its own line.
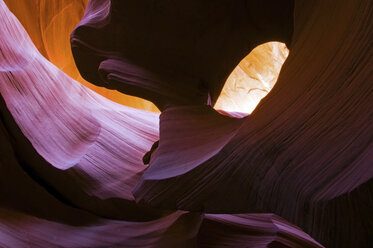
{"type": "Point", "coordinates": [305, 153]}
{"type": "Point", "coordinates": [71, 164]}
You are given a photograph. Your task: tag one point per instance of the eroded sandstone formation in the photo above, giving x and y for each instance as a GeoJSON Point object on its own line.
{"type": "Point", "coordinates": [253, 78]}
{"type": "Point", "coordinates": [173, 53]}
{"type": "Point", "coordinates": [49, 24]}
{"type": "Point", "coordinates": [71, 167]}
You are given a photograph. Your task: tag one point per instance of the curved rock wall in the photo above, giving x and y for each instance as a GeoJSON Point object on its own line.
{"type": "Point", "coordinates": [71, 161]}
{"type": "Point", "coordinates": [305, 152]}
{"type": "Point", "coordinates": [49, 24]}
{"type": "Point", "coordinates": [173, 53]}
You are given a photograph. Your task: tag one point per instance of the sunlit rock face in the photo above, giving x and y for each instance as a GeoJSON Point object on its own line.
{"type": "Point", "coordinates": [49, 24]}
{"type": "Point", "coordinates": [253, 78]}
{"type": "Point", "coordinates": [71, 164]}
{"type": "Point", "coordinates": [70, 159]}
{"type": "Point", "coordinates": [185, 61]}
{"type": "Point", "coordinates": [298, 155]}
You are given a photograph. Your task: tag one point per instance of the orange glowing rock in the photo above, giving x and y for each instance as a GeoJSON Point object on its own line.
{"type": "Point", "coordinates": [71, 158]}
{"type": "Point", "coordinates": [253, 78]}
{"type": "Point", "coordinates": [49, 24]}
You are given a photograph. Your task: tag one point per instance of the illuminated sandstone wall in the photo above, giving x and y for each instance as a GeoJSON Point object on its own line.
{"type": "Point", "coordinates": [49, 24]}
{"type": "Point", "coordinates": [71, 161]}
{"type": "Point", "coordinates": [253, 78]}
{"type": "Point", "coordinates": [305, 151]}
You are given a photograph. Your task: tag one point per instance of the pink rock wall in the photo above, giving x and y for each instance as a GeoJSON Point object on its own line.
{"type": "Point", "coordinates": [304, 153]}
{"type": "Point", "coordinates": [49, 24]}
{"type": "Point", "coordinates": [71, 161]}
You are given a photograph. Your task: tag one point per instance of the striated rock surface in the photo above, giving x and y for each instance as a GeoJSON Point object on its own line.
{"type": "Point", "coordinates": [49, 24]}
{"type": "Point", "coordinates": [251, 230]}
{"type": "Point", "coordinates": [69, 159]}
{"type": "Point", "coordinates": [304, 154]}
{"type": "Point", "coordinates": [176, 53]}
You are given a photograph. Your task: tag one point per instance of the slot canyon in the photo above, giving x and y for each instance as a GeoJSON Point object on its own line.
{"type": "Point", "coordinates": [225, 123]}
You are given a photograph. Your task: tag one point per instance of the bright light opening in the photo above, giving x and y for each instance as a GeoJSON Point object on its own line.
{"type": "Point", "coordinates": [253, 78]}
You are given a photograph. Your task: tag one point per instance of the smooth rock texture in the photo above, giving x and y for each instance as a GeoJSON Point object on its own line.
{"type": "Point", "coordinates": [49, 24]}
{"type": "Point", "coordinates": [177, 53]}
{"type": "Point", "coordinates": [304, 154]}
{"type": "Point", "coordinates": [253, 78]}
{"type": "Point", "coordinates": [69, 159]}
